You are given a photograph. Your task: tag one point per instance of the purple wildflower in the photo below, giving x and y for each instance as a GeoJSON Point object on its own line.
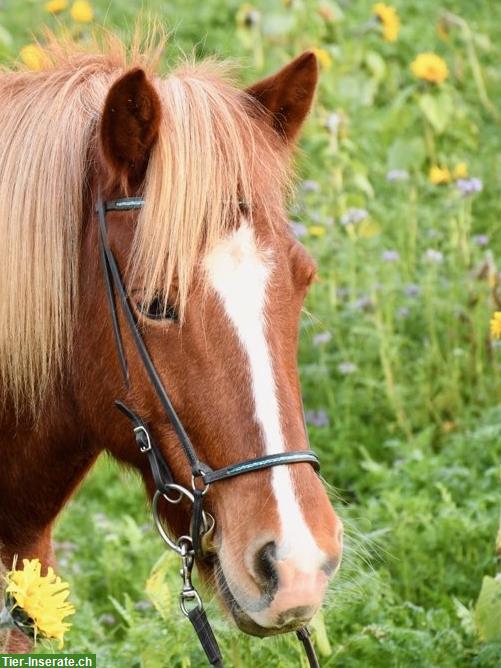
{"type": "Point", "coordinates": [403, 312]}
{"type": "Point", "coordinates": [101, 520]}
{"type": "Point", "coordinates": [347, 368]}
{"type": "Point", "coordinates": [362, 304]}
{"type": "Point", "coordinates": [317, 418]}
{"type": "Point", "coordinates": [353, 216]}
{"type": "Point", "coordinates": [481, 239]}
{"type": "Point", "coordinates": [299, 230]}
{"type": "Point", "coordinates": [434, 256]}
{"type": "Point", "coordinates": [397, 175]}
{"type": "Point", "coordinates": [142, 605]}
{"type": "Point", "coordinates": [310, 186]}
{"type": "Point", "coordinates": [390, 255]}
{"type": "Point", "coordinates": [469, 187]}
{"type": "Point", "coordinates": [107, 619]}
{"type": "Point", "coordinates": [412, 290]}
{"type": "Point", "coordinates": [321, 337]}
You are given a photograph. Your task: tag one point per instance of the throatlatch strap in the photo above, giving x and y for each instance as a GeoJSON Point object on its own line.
{"type": "Point", "coordinates": [304, 636]}
{"type": "Point", "coordinates": [206, 636]}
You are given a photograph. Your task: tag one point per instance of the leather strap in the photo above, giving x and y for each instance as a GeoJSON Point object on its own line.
{"type": "Point", "coordinates": [159, 468]}
{"type": "Point", "coordinates": [112, 271]}
{"type": "Point", "coordinates": [304, 636]}
{"type": "Point", "coordinates": [110, 296]}
{"type": "Point", "coordinates": [206, 636]}
{"type": "Point", "coordinates": [250, 465]}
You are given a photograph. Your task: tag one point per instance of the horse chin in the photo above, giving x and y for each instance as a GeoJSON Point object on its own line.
{"type": "Point", "coordinates": [238, 615]}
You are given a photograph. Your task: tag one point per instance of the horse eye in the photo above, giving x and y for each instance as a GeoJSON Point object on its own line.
{"type": "Point", "coordinates": [243, 206]}
{"type": "Point", "coordinates": [157, 309]}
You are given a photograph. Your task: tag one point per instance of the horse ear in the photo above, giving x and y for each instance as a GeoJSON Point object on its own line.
{"type": "Point", "coordinates": [130, 124]}
{"type": "Point", "coordinates": [288, 94]}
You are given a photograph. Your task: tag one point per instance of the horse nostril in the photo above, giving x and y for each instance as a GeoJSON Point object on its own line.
{"type": "Point", "coordinates": [265, 568]}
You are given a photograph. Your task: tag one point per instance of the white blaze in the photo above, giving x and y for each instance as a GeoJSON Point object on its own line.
{"type": "Point", "coordinates": [238, 271]}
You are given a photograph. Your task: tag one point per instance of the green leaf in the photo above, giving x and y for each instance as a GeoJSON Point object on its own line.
{"type": "Point", "coordinates": [437, 110]}
{"type": "Point", "coordinates": [157, 588]}
{"type": "Point", "coordinates": [5, 37]}
{"type": "Point", "coordinates": [407, 153]}
{"type": "Point", "coordinates": [361, 182]}
{"type": "Point", "coordinates": [357, 89]}
{"type": "Point", "coordinates": [124, 611]}
{"type": "Point", "coordinates": [376, 65]}
{"type": "Point", "coordinates": [488, 610]}
{"type": "Point", "coordinates": [466, 617]}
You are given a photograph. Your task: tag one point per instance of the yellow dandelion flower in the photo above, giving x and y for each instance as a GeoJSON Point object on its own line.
{"type": "Point", "coordinates": [430, 67]}
{"type": "Point", "coordinates": [42, 598]}
{"type": "Point", "coordinates": [316, 231]}
{"type": "Point", "coordinates": [33, 57]}
{"type": "Point", "coordinates": [82, 12]}
{"type": "Point", "coordinates": [496, 325]}
{"type": "Point", "coordinates": [56, 6]}
{"type": "Point", "coordinates": [439, 175]}
{"type": "Point", "coordinates": [460, 171]}
{"type": "Point", "coordinates": [389, 19]}
{"type": "Point", "coordinates": [324, 58]}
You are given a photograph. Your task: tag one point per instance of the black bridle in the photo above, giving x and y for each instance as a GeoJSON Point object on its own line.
{"type": "Point", "coordinates": [202, 476]}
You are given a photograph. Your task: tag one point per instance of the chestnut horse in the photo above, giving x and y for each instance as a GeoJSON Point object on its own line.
{"type": "Point", "coordinates": [217, 282]}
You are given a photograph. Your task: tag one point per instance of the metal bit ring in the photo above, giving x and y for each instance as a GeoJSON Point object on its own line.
{"type": "Point", "coordinates": [173, 544]}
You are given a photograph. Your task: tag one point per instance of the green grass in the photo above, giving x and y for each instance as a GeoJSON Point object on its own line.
{"type": "Point", "coordinates": [405, 372]}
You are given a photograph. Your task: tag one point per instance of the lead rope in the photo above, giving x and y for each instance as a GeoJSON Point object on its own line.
{"type": "Point", "coordinates": [304, 635]}
{"type": "Point", "coordinates": [197, 615]}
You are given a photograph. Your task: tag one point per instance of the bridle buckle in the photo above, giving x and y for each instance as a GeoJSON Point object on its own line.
{"type": "Point", "coordinates": [143, 438]}
{"type": "Point", "coordinates": [199, 476]}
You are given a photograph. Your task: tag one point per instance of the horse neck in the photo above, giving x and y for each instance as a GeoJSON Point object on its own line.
{"type": "Point", "coordinates": [41, 466]}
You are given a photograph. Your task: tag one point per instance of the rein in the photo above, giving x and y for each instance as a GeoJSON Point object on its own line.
{"type": "Point", "coordinates": [202, 476]}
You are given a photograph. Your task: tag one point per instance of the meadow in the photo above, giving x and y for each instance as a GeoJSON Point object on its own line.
{"type": "Point", "coordinates": [398, 179]}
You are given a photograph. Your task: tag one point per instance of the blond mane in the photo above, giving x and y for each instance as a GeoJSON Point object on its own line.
{"type": "Point", "coordinates": [211, 154]}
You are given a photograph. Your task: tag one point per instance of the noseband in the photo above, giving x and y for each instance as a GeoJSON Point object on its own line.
{"type": "Point", "coordinates": [202, 475]}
